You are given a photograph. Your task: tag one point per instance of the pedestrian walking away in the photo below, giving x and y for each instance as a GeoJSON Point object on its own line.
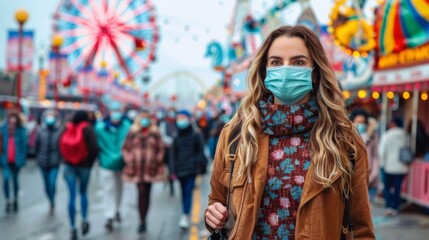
{"type": "Point", "coordinates": [143, 153]}
{"type": "Point", "coordinates": [111, 134]}
{"type": "Point", "coordinates": [78, 148]}
{"type": "Point", "coordinates": [188, 153]}
{"type": "Point", "coordinates": [299, 170]}
{"type": "Point", "coordinates": [394, 170]}
{"type": "Point", "coordinates": [13, 157]}
{"type": "Point", "coordinates": [47, 152]}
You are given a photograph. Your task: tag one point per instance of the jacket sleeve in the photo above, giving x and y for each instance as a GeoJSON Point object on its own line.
{"type": "Point", "coordinates": [174, 150]}
{"type": "Point", "coordinates": [37, 145]}
{"type": "Point", "coordinates": [160, 149]}
{"type": "Point", "coordinates": [91, 143]}
{"type": "Point", "coordinates": [359, 200]}
{"type": "Point", "coordinates": [218, 193]}
{"type": "Point", "coordinates": [3, 146]}
{"type": "Point", "coordinates": [375, 163]}
{"type": "Point", "coordinates": [127, 149]}
{"type": "Point", "coordinates": [24, 143]}
{"type": "Point", "coordinates": [381, 151]}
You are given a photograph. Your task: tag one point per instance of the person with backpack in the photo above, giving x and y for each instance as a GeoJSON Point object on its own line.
{"type": "Point", "coordinates": [188, 153]}
{"type": "Point", "coordinates": [143, 153]}
{"type": "Point", "coordinates": [47, 152]}
{"type": "Point", "coordinates": [78, 149]}
{"type": "Point", "coordinates": [111, 134]}
{"type": "Point", "coordinates": [13, 157]}
{"type": "Point", "coordinates": [168, 130]}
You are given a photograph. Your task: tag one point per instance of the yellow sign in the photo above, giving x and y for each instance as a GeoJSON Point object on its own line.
{"type": "Point", "coordinates": [42, 84]}
{"type": "Point", "coordinates": [407, 56]}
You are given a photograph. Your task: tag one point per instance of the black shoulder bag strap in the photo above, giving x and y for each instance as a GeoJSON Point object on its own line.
{"type": "Point", "coordinates": [221, 234]}
{"type": "Point", "coordinates": [231, 157]}
{"type": "Point", "coordinates": [347, 217]}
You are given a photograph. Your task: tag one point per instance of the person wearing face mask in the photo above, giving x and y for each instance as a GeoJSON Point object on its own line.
{"type": "Point", "coordinates": [222, 120]}
{"type": "Point", "coordinates": [298, 160]}
{"type": "Point", "coordinates": [188, 151]}
{"type": "Point", "coordinates": [47, 152]}
{"type": "Point", "coordinates": [132, 114]}
{"type": "Point", "coordinates": [168, 130]}
{"type": "Point", "coordinates": [394, 170]}
{"type": "Point", "coordinates": [143, 153]}
{"type": "Point", "coordinates": [204, 124]}
{"type": "Point", "coordinates": [159, 116]}
{"type": "Point", "coordinates": [78, 149]}
{"type": "Point", "coordinates": [111, 134]}
{"type": "Point", "coordinates": [13, 157]}
{"type": "Point", "coordinates": [367, 128]}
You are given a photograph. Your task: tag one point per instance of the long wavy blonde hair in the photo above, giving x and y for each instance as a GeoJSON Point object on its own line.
{"type": "Point", "coordinates": [333, 138]}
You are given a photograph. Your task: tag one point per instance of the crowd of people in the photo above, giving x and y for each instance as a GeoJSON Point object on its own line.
{"type": "Point", "coordinates": [135, 146]}
{"type": "Point", "coordinates": [142, 147]}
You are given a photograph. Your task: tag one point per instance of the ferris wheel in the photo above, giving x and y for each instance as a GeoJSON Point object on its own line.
{"type": "Point", "coordinates": [118, 35]}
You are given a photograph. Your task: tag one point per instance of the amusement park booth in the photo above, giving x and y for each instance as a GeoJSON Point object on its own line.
{"type": "Point", "coordinates": [401, 76]}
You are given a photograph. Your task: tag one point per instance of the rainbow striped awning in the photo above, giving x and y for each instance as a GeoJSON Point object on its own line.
{"type": "Point", "coordinates": [402, 24]}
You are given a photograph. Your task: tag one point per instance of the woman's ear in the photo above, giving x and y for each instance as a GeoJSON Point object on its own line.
{"type": "Point", "coordinates": [315, 75]}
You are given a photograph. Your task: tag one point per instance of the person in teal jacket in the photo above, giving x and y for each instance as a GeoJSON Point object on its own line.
{"type": "Point", "coordinates": [13, 157]}
{"type": "Point", "coordinates": [111, 134]}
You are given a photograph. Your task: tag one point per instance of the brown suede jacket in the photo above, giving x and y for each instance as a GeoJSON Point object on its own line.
{"type": "Point", "coordinates": [321, 210]}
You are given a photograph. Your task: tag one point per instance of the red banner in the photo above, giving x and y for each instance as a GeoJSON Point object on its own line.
{"type": "Point", "coordinates": [12, 52]}
{"type": "Point", "coordinates": [58, 68]}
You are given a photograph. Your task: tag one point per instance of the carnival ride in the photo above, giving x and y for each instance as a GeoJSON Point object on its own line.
{"type": "Point", "coordinates": [108, 36]}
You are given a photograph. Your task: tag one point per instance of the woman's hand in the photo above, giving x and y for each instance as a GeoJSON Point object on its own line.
{"type": "Point", "coordinates": [216, 216]}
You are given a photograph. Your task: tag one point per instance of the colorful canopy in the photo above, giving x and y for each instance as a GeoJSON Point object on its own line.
{"type": "Point", "coordinates": [402, 24]}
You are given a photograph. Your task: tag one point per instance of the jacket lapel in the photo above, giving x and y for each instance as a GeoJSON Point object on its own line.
{"type": "Point", "coordinates": [311, 187]}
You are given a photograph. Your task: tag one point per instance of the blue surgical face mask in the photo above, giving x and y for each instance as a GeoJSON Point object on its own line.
{"type": "Point", "coordinates": [183, 123]}
{"type": "Point", "coordinates": [289, 84]}
{"type": "Point", "coordinates": [160, 115]}
{"type": "Point", "coordinates": [171, 114]}
{"type": "Point", "coordinates": [361, 128]}
{"type": "Point", "coordinates": [116, 116]}
{"type": "Point", "coordinates": [145, 122]}
{"type": "Point", "coordinates": [50, 120]}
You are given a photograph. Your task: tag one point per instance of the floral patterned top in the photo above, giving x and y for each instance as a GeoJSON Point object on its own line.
{"type": "Point", "coordinates": [289, 130]}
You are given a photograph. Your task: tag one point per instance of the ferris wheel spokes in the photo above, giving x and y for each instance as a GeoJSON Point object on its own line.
{"type": "Point", "coordinates": [86, 12]}
{"type": "Point", "coordinates": [121, 33]}
{"type": "Point", "coordinates": [136, 12]}
{"type": "Point", "coordinates": [121, 60]}
{"type": "Point", "coordinates": [74, 20]}
{"type": "Point", "coordinates": [76, 45]}
{"type": "Point", "coordinates": [138, 26]}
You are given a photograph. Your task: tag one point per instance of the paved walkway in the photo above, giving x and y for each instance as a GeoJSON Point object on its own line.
{"type": "Point", "coordinates": [34, 223]}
